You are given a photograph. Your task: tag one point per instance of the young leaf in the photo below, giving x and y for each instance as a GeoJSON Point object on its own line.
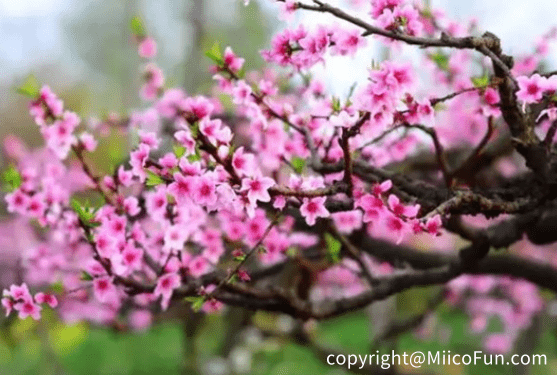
{"type": "Point", "coordinates": [298, 164]}
{"type": "Point", "coordinates": [480, 82]}
{"type": "Point", "coordinates": [179, 151]}
{"type": "Point", "coordinates": [11, 179]}
{"type": "Point", "coordinates": [30, 87]}
{"type": "Point", "coordinates": [233, 279]}
{"type": "Point", "coordinates": [333, 248]}
{"type": "Point", "coordinates": [336, 104]}
{"type": "Point", "coordinates": [292, 251]}
{"type": "Point", "coordinates": [196, 302]}
{"type": "Point", "coordinates": [85, 213]}
{"type": "Point", "coordinates": [153, 179]}
{"type": "Point", "coordinates": [136, 26]}
{"type": "Point", "coordinates": [215, 54]}
{"type": "Point", "coordinates": [85, 276]}
{"type": "Point", "coordinates": [441, 60]}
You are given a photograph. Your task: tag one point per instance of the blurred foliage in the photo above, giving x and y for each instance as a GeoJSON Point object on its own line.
{"type": "Point", "coordinates": [50, 347]}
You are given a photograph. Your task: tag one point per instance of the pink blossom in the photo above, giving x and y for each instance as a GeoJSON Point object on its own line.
{"type": "Point", "coordinates": [183, 187]}
{"type": "Point", "coordinates": [379, 6]}
{"type": "Point", "coordinates": [28, 308]}
{"type": "Point", "coordinates": [88, 141]}
{"type": "Point", "coordinates": [132, 257]}
{"type": "Point", "coordinates": [124, 177]}
{"type": "Point", "coordinates": [165, 287]}
{"type": "Point", "coordinates": [396, 226]}
{"type": "Point", "coordinates": [175, 236]}
{"type": "Point", "coordinates": [243, 162]}
{"type": "Point", "coordinates": [344, 120]}
{"type": "Point", "coordinates": [104, 289]}
{"type": "Point", "coordinates": [204, 192]}
{"type": "Point", "coordinates": [530, 88]}
{"type": "Point", "coordinates": [18, 293]}
{"type": "Point", "coordinates": [243, 275]}
{"type": "Point", "coordinates": [257, 188]}
{"type": "Point", "coordinates": [379, 189]}
{"type": "Point", "coordinates": [242, 93]}
{"type": "Point", "coordinates": [347, 221]}
{"type": "Point", "coordinates": [198, 266]}
{"type": "Point", "coordinates": [131, 206]}
{"type": "Point", "coordinates": [312, 208]}
{"type": "Point", "coordinates": [433, 224]}
{"type": "Point", "coordinates": [17, 201]}
{"type": "Point", "coordinates": [140, 320]}
{"type": "Point", "coordinates": [347, 42]}
{"type": "Point", "coordinates": [287, 10]}
{"type": "Point", "coordinates": [401, 210]}
{"type": "Point", "coordinates": [491, 96]}
{"type": "Point", "coordinates": [233, 62]}
{"type": "Point", "coordinates": [49, 299]}
{"type": "Point", "coordinates": [186, 140]}
{"type": "Point", "coordinates": [8, 305]}
{"type": "Point", "coordinates": [147, 48]}
{"type": "Point", "coordinates": [498, 343]}
{"type": "Point", "coordinates": [372, 206]}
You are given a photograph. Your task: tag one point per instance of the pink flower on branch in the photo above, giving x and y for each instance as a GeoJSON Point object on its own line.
{"type": "Point", "coordinates": [313, 208]}
{"type": "Point", "coordinates": [257, 188]}
{"type": "Point", "coordinates": [165, 287]}
{"type": "Point", "coordinates": [147, 48]}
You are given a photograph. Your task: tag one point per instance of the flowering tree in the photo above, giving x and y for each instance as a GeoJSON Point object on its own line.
{"type": "Point", "coordinates": [274, 195]}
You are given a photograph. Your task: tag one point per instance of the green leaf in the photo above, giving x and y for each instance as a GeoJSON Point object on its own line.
{"type": "Point", "coordinates": [333, 247]}
{"type": "Point", "coordinates": [85, 215]}
{"type": "Point", "coordinates": [292, 251]}
{"type": "Point", "coordinates": [480, 82]}
{"type": "Point", "coordinates": [298, 164]}
{"type": "Point", "coordinates": [336, 104]}
{"type": "Point", "coordinates": [179, 151]}
{"type": "Point", "coordinates": [441, 60]}
{"type": "Point", "coordinates": [196, 302]}
{"type": "Point", "coordinates": [240, 258]}
{"type": "Point", "coordinates": [215, 54]}
{"type": "Point", "coordinates": [153, 179]}
{"type": "Point", "coordinates": [136, 26]}
{"type": "Point", "coordinates": [11, 179]}
{"type": "Point", "coordinates": [85, 276]}
{"type": "Point", "coordinates": [234, 279]}
{"type": "Point", "coordinates": [85, 212]}
{"type": "Point", "coordinates": [57, 288]}
{"type": "Point", "coordinates": [30, 87]}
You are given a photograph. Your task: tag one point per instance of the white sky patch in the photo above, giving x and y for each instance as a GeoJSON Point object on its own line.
{"type": "Point", "coordinates": [517, 24]}
{"type": "Point", "coordinates": [29, 8]}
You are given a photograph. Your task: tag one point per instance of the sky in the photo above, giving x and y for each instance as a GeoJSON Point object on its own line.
{"type": "Point", "coordinates": [516, 23]}
{"type": "Point", "coordinates": [31, 31]}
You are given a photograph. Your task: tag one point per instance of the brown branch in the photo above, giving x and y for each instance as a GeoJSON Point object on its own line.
{"type": "Point", "coordinates": [439, 151]}
{"type": "Point", "coordinates": [354, 253]}
{"type": "Point", "coordinates": [475, 154]}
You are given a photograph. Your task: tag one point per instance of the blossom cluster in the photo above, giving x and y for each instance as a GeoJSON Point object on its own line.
{"type": "Point", "coordinates": [19, 299]}
{"type": "Point", "coordinates": [211, 184]}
